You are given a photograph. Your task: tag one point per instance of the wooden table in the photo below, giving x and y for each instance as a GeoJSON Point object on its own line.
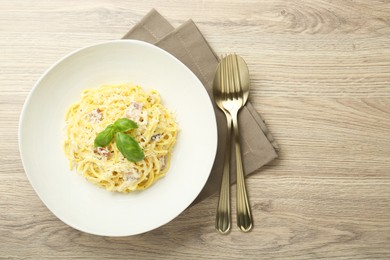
{"type": "Point", "coordinates": [321, 80]}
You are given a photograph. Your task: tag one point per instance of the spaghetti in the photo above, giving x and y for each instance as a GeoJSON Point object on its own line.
{"type": "Point", "coordinates": [106, 166]}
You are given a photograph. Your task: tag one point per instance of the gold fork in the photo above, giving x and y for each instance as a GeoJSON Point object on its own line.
{"type": "Point", "coordinates": [231, 90]}
{"type": "Point", "coordinates": [222, 220]}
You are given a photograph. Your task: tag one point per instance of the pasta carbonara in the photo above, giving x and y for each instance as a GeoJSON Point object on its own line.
{"type": "Point", "coordinates": [106, 166]}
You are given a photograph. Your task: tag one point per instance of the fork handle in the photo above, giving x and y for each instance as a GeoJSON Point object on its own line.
{"type": "Point", "coordinates": [222, 220]}
{"type": "Point", "coordinates": [244, 214]}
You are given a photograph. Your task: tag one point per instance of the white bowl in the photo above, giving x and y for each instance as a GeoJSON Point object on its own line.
{"type": "Point", "coordinates": [66, 193]}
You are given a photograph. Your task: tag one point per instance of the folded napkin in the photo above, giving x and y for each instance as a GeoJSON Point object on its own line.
{"type": "Point", "coordinates": [188, 45]}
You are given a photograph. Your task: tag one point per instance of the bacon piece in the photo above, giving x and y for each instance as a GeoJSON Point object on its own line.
{"type": "Point", "coordinates": [131, 176]}
{"type": "Point", "coordinates": [163, 162]}
{"type": "Point", "coordinates": [156, 137]}
{"type": "Point", "coordinates": [95, 115]}
{"type": "Point", "coordinates": [103, 151]}
{"type": "Point", "coordinates": [134, 110]}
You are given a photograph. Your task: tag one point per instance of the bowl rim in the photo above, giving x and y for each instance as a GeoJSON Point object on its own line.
{"type": "Point", "coordinates": [60, 61]}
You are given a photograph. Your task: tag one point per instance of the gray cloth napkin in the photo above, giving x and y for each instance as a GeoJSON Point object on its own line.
{"type": "Point", "coordinates": [188, 45]}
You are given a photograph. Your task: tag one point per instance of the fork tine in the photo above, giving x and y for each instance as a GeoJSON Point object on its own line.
{"type": "Point", "coordinates": [232, 93]}
{"type": "Point", "coordinates": [227, 77]}
{"type": "Point", "coordinates": [233, 77]}
{"type": "Point", "coordinates": [238, 86]}
{"type": "Point", "coordinates": [223, 77]}
{"type": "Point", "coordinates": [226, 70]}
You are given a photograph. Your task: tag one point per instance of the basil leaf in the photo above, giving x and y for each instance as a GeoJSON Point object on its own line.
{"type": "Point", "coordinates": [105, 137]}
{"type": "Point", "coordinates": [124, 124]}
{"type": "Point", "coordinates": [129, 147]}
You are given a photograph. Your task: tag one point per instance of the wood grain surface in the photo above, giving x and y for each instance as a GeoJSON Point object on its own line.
{"type": "Point", "coordinates": [321, 80]}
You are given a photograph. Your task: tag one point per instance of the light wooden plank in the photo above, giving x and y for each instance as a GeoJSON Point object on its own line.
{"type": "Point", "coordinates": [320, 78]}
